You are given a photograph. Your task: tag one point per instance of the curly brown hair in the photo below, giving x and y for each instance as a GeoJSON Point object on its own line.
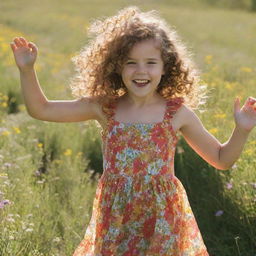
{"type": "Point", "coordinates": [99, 63]}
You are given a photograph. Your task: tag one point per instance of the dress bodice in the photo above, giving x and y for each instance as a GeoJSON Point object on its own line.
{"type": "Point", "coordinates": [139, 149]}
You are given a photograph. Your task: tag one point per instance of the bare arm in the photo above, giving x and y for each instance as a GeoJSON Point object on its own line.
{"type": "Point", "coordinates": [38, 106]}
{"type": "Point", "coordinates": [221, 156]}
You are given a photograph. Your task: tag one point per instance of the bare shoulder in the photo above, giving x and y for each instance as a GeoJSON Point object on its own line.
{"type": "Point", "coordinates": [95, 104]}
{"type": "Point", "coordinates": [182, 117]}
{"type": "Point", "coordinates": [92, 107]}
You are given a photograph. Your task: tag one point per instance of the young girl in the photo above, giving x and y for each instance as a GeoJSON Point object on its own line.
{"type": "Point", "coordinates": [136, 79]}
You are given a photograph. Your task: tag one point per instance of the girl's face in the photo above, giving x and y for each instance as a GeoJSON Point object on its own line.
{"type": "Point", "coordinates": [142, 71]}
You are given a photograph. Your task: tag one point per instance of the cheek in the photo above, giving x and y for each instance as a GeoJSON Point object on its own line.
{"type": "Point", "coordinates": [126, 72]}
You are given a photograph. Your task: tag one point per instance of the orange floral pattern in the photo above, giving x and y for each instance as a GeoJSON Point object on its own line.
{"type": "Point", "coordinates": [141, 208]}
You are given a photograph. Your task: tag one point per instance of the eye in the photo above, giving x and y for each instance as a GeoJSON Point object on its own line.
{"type": "Point", "coordinates": [151, 62]}
{"type": "Point", "coordinates": [130, 62]}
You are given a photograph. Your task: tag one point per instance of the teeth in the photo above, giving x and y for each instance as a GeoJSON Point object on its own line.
{"type": "Point", "coordinates": [141, 81]}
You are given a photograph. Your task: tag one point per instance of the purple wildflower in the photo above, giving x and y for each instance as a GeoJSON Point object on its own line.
{"type": "Point", "coordinates": [219, 213]}
{"type": "Point", "coordinates": [7, 165]}
{"type": "Point", "coordinates": [229, 185]}
{"type": "Point", "coordinates": [4, 202]}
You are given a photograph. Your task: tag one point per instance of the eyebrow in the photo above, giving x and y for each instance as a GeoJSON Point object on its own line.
{"type": "Point", "coordinates": [129, 58]}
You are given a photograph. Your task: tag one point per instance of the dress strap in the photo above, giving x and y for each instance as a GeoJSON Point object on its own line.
{"type": "Point", "coordinates": [173, 105]}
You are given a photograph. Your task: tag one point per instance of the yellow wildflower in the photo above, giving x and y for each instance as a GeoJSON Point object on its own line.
{"type": "Point", "coordinates": [22, 107]}
{"type": "Point", "coordinates": [68, 152]}
{"type": "Point", "coordinates": [220, 115]}
{"type": "Point", "coordinates": [208, 59]}
{"type": "Point", "coordinates": [249, 151]}
{"type": "Point", "coordinates": [6, 133]}
{"type": "Point", "coordinates": [4, 104]}
{"type": "Point", "coordinates": [229, 85]}
{"type": "Point", "coordinates": [40, 145]}
{"type": "Point", "coordinates": [16, 129]}
{"type": "Point", "coordinates": [246, 69]}
{"type": "Point", "coordinates": [213, 130]}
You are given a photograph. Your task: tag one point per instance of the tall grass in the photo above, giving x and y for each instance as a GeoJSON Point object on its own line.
{"type": "Point", "coordinates": [49, 171]}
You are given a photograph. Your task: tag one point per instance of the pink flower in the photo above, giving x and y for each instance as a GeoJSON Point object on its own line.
{"type": "Point", "coordinates": [229, 185]}
{"type": "Point", "coordinates": [219, 213]}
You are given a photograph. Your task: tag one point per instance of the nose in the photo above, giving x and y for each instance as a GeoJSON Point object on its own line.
{"type": "Point", "coordinates": [141, 69]}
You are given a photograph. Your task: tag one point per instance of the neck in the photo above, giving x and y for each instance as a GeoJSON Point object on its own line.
{"type": "Point", "coordinates": [142, 101]}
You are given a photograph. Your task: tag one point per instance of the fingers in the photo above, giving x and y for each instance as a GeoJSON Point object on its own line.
{"type": "Point", "coordinates": [32, 46]}
{"type": "Point", "coordinates": [13, 46]}
{"type": "Point", "coordinates": [23, 41]}
{"type": "Point", "coordinates": [19, 42]}
{"type": "Point", "coordinates": [250, 104]}
{"type": "Point", "coordinates": [251, 101]}
{"type": "Point", "coordinates": [237, 104]}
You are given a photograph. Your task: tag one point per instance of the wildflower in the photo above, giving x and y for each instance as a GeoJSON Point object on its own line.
{"type": "Point", "coordinates": [29, 230]}
{"type": "Point", "coordinates": [213, 130]}
{"type": "Point", "coordinates": [68, 152]}
{"type": "Point", "coordinates": [6, 133]}
{"type": "Point", "coordinates": [56, 240]}
{"type": "Point", "coordinates": [253, 185]}
{"type": "Point", "coordinates": [220, 116]}
{"type": "Point", "coordinates": [40, 145]}
{"type": "Point", "coordinates": [7, 165]}
{"type": "Point", "coordinates": [219, 213]}
{"type": "Point", "coordinates": [3, 203]}
{"type": "Point", "coordinates": [4, 105]}
{"type": "Point", "coordinates": [180, 150]}
{"type": "Point", "coordinates": [208, 59]}
{"type": "Point", "coordinates": [249, 152]}
{"type": "Point", "coordinates": [3, 175]}
{"type": "Point", "coordinates": [10, 219]}
{"type": "Point", "coordinates": [7, 183]}
{"type": "Point", "coordinates": [21, 107]}
{"type": "Point", "coordinates": [229, 185]}
{"type": "Point", "coordinates": [37, 173]}
{"type": "Point", "coordinates": [16, 129]}
{"type": "Point", "coordinates": [41, 181]}
{"type": "Point", "coordinates": [11, 237]}
{"type": "Point", "coordinates": [246, 69]}
{"type": "Point", "coordinates": [234, 167]}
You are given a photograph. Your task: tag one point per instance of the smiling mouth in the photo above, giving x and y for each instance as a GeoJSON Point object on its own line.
{"type": "Point", "coordinates": [141, 82]}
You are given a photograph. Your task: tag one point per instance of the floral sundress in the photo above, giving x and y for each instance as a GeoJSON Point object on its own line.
{"type": "Point", "coordinates": [141, 208]}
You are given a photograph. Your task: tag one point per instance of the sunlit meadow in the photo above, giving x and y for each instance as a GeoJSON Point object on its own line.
{"type": "Point", "coordinates": [49, 171]}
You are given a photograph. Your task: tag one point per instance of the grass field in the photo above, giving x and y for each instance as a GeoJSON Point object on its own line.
{"type": "Point", "coordinates": [46, 169]}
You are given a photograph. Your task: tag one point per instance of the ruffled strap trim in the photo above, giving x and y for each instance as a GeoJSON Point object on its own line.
{"type": "Point", "coordinates": [173, 105]}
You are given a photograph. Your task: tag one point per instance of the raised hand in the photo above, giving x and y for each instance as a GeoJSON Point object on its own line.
{"type": "Point", "coordinates": [245, 117]}
{"type": "Point", "coordinates": [24, 52]}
